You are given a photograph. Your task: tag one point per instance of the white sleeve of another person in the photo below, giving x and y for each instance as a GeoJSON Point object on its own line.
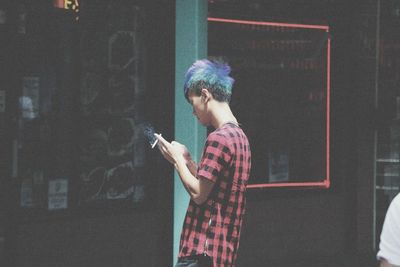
{"type": "Point", "coordinates": [389, 246]}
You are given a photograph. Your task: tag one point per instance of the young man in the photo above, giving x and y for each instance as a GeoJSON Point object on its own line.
{"type": "Point", "coordinates": [217, 185]}
{"type": "Point", "coordinates": [389, 246]}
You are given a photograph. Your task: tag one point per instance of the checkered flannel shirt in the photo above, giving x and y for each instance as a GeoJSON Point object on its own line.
{"type": "Point", "coordinates": [214, 227]}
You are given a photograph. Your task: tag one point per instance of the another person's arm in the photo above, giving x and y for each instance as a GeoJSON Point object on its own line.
{"type": "Point", "coordinates": [384, 263]}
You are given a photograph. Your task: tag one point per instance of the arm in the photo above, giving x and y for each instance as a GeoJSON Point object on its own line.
{"type": "Point", "coordinates": [192, 166]}
{"type": "Point", "coordinates": [198, 189]}
{"type": "Point", "coordinates": [384, 263]}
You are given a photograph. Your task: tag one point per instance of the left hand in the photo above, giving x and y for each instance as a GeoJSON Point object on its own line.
{"type": "Point", "coordinates": [174, 151]}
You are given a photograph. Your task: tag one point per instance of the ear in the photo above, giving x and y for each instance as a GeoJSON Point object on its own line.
{"type": "Point", "coordinates": [205, 95]}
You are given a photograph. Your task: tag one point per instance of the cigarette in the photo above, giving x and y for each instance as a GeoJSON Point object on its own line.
{"type": "Point", "coordinates": [155, 143]}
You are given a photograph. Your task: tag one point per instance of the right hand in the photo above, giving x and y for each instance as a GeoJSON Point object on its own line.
{"type": "Point", "coordinates": [183, 150]}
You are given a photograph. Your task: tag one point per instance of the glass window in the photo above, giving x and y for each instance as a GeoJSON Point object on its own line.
{"type": "Point", "coordinates": [387, 180]}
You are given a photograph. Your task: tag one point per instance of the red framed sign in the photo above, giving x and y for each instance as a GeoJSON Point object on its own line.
{"type": "Point", "coordinates": [281, 97]}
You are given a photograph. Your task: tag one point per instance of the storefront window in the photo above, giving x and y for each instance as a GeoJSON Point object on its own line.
{"type": "Point", "coordinates": [82, 105]}
{"type": "Point", "coordinates": [387, 176]}
{"type": "Point", "coordinates": [281, 96]}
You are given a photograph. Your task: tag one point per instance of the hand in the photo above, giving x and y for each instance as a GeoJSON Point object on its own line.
{"type": "Point", "coordinates": [174, 151]}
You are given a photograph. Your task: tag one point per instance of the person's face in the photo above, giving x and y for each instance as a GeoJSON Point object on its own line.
{"type": "Point", "coordinates": [199, 107]}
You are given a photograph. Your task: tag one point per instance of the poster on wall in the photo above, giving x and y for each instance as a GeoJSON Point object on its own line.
{"type": "Point", "coordinates": [33, 192]}
{"type": "Point", "coordinates": [112, 160]}
{"type": "Point", "coordinates": [278, 162]}
{"type": "Point", "coordinates": [26, 193]}
{"type": "Point", "coordinates": [58, 194]}
{"type": "Point", "coordinates": [112, 155]}
{"type": "Point", "coordinates": [2, 101]}
{"type": "Point", "coordinates": [29, 101]}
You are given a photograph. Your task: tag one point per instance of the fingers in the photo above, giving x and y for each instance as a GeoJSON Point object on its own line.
{"type": "Point", "coordinates": [175, 143]}
{"type": "Point", "coordinates": [160, 138]}
{"type": "Point", "coordinates": [172, 151]}
{"type": "Point", "coordinates": [162, 143]}
{"type": "Point", "coordinates": [179, 146]}
{"type": "Point", "coordinates": [165, 142]}
{"type": "Point", "coordinates": [169, 145]}
{"type": "Point", "coordinates": [165, 154]}
{"type": "Point", "coordinates": [164, 146]}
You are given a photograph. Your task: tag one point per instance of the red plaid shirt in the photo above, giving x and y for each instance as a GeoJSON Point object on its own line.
{"type": "Point", "coordinates": [214, 227]}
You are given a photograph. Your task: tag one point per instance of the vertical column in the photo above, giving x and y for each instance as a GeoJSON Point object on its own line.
{"type": "Point", "coordinates": [191, 44]}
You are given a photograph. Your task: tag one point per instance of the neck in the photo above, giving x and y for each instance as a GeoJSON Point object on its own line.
{"type": "Point", "coordinates": [222, 114]}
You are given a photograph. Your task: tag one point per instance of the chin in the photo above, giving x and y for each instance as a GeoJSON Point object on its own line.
{"type": "Point", "coordinates": [204, 124]}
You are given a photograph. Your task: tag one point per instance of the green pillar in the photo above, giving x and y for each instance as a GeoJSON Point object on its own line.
{"type": "Point", "coordinates": [191, 44]}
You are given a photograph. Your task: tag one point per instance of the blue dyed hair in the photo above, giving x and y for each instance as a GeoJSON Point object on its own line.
{"type": "Point", "coordinates": [211, 75]}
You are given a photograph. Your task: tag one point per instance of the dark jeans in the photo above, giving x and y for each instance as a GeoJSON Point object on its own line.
{"type": "Point", "coordinates": [195, 261]}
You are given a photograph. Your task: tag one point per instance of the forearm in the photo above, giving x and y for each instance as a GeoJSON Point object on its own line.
{"type": "Point", "coordinates": [187, 175]}
{"type": "Point", "coordinates": [192, 166]}
{"type": "Point", "coordinates": [384, 263]}
{"type": "Point", "coordinates": [186, 168]}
